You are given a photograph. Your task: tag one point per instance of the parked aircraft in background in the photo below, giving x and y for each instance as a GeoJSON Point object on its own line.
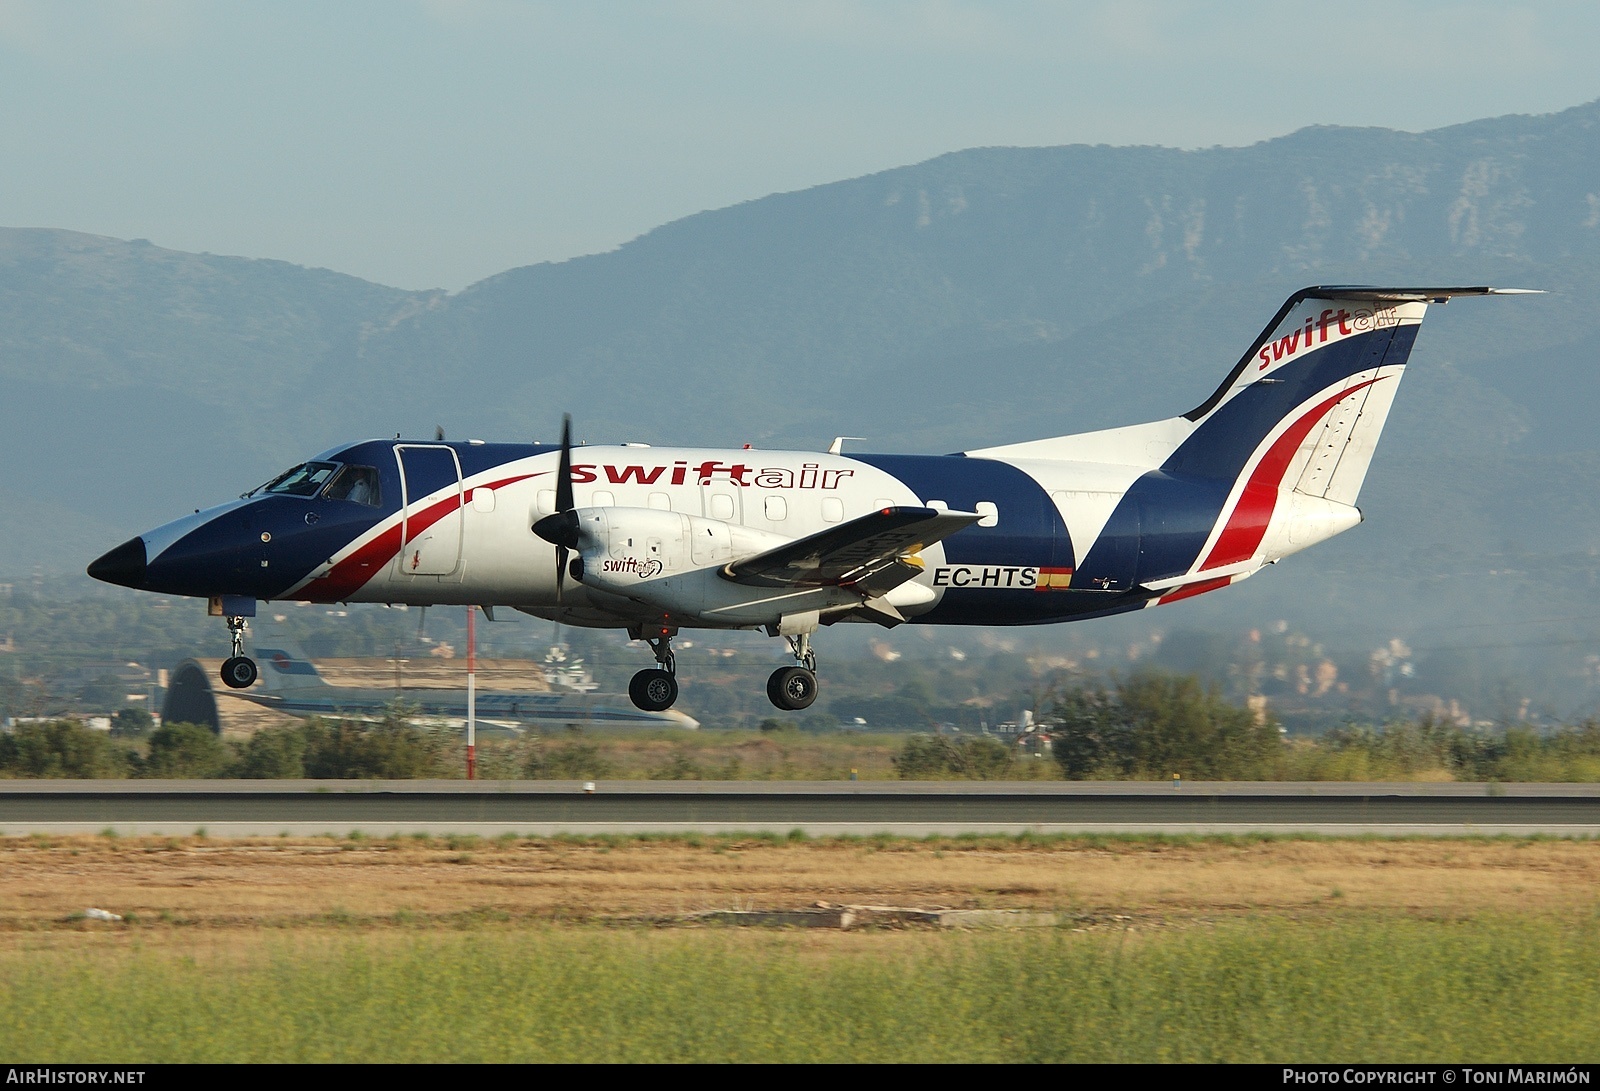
{"type": "Point", "coordinates": [290, 683]}
{"type": "Point", "coordinates": [656, 540]}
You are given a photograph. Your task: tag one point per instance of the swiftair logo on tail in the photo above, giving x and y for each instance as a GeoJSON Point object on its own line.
{"type": "Point", "coordinates": [1330, 325]}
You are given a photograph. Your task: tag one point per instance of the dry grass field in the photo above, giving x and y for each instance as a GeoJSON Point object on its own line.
{"type": "Point", "coordinates": [182, 884]}
{"type": "Point", "coordinates": [1186, 949]}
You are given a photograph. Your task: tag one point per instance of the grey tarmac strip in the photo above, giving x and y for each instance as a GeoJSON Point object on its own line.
{"type": "Point", "coordinates": [809, 829]}
{"type": "Point", "coordinates": [543, 808]}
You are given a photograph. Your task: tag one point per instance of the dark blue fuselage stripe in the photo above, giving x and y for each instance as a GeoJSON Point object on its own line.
{"type": "Point", "coordinates": [1030, 534]}
{"type": "Point", "coordinates": [1224, 441]}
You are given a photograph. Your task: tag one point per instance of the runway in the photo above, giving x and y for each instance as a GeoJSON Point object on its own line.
{"type": "Point", "coordinates": [547, 808]}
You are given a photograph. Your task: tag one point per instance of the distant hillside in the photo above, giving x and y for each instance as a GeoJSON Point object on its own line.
{"type": "Point", "coordinates": [136, 382]}
{"type": "Point", "coordinates": [981, 296]}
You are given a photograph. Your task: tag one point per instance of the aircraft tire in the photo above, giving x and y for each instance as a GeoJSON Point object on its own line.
{"type": "Point", "coordinates": [792, 688]}
{"type": "Point", "coordinates": [653, 690]}
{"type": "Point", "coordinates": [239, 672]}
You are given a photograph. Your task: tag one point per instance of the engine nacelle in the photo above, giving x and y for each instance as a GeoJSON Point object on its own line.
{"type": "Point", "coordinates": [673, 563]}
{"type": "Point", "coordinates": [623, 547]}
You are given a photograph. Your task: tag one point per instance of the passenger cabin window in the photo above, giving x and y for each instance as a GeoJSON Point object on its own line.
{"type": "Point", "coordinates": [990, 513]}
{"type": "Point", "coordinates": [660, 501]}
{"type": "Point", "coordinates": [777, 509]}
{"type": "Point", "coordinates": [305, 479]}
{"type": "Point", "coordinates": [832, 509]}
{"type": "Point", "coordinates": [604, 498]}
{"type": "Point", "coordinates": [357, 484]}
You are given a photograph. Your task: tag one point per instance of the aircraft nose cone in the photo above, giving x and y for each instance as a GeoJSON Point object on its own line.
{"type": "Point", "coordinates": [123, 565]}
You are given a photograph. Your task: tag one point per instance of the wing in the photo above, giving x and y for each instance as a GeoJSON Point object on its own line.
{"type": "Point", "coordinates": [874, 553]}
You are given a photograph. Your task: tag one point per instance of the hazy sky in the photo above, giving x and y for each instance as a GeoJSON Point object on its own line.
{"type": "Point", "coordinates": [433, 144]}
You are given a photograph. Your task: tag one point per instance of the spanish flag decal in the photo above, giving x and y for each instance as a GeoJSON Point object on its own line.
{"type": "Point", "coordinates": [1053, 579]}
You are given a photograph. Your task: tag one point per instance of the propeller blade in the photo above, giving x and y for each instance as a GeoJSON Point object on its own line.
{"type": "Point", "coordinates": [564, 473]}
{"type": "Point", "coordinates": [560, 529]}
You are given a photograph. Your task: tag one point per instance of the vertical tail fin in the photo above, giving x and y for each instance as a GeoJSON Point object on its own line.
{"type": "Point", "coordinates": [1273, 461]}
{"type": "Point", "coordinates": [1321, 374]}
{"type": "Point", "coordinates": [284, 665]}
{"type": "Point", "coordinates": [1299, 416]}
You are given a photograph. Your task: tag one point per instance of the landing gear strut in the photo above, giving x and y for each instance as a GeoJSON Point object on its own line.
{"type": "Point", "coordinates": [238, 670]}
{"type": "Point", "coordinates": [794, 688]}
{"type": "Point", "coordinates": [655, 689]}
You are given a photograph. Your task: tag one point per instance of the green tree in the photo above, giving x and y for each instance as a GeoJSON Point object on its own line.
{"type": "Point", "coordinates": [1179, 726]}
{"type": "Point", "coordinates": [274, 753]}
{"type": "Point", "coordinates": [132, 723]}
{"type": "Point", "coordinates": [60, 748]}
{"type": "Point", "coordinates": [390, 750]}
{"type": "Point", "coordinates": [186, 751]}
{"type": "Point", "coordinates": [1089, 736]}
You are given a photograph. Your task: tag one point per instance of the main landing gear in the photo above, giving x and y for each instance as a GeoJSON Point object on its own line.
{"type": "Point", "coordinates": [794, 688]}
{"type": "Point", "coordinates": [656, 689]}
{"type": "Point", "coordinates": [238, 670]}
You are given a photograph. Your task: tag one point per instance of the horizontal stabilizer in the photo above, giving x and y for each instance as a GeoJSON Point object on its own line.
{"type": "Point", "coordinates": [853, 553]}
{"type": "Point", "coordinates": [1408, 295]}
{"type": "Point", "coordinates": [1240, 568]}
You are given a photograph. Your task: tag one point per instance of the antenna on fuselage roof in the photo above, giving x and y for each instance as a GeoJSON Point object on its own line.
{"type": "Point", "coordinates": [438, 433]}
{"type": "Point", "coordinates": [837, 446]}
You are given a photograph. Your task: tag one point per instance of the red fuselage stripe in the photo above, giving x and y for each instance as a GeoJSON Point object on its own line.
{"type": "Point", "coordinates": [1247, 524]}
{"type": "Point", "coordinates": [1194, 589]}
{"type": "Point", "coordinates": [355, 570]}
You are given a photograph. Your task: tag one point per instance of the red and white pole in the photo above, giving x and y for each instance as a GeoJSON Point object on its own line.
{"type": "Point", "coordinates": [472, 693]}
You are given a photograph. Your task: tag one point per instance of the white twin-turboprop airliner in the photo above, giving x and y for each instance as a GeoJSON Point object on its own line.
{"type": "Point", "coordinates": [656, 540]}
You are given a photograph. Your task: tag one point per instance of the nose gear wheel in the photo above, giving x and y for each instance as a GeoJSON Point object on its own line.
{"type": "Point", "coordinates": [238, 672]}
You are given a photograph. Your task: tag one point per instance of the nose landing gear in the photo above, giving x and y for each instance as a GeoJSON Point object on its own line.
{"type": "Point", "coordinates": [794, 688]}
{"type": "Point", "coordinates": [238, 670]}
{"type": "Point", "coordinates": [656, 689]}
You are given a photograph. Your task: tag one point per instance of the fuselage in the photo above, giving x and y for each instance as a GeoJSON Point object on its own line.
{"type": "Point", "coordinates": [451, 523]}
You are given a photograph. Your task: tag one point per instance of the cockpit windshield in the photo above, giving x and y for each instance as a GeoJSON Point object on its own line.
{"type": "Point", "coordinates": [305, 479]}
{"type": "Point", "coordinates": [358, 484]}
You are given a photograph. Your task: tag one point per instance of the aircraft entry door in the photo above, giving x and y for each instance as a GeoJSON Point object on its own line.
{"type": "Point", "coordinates": [430, 530]}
